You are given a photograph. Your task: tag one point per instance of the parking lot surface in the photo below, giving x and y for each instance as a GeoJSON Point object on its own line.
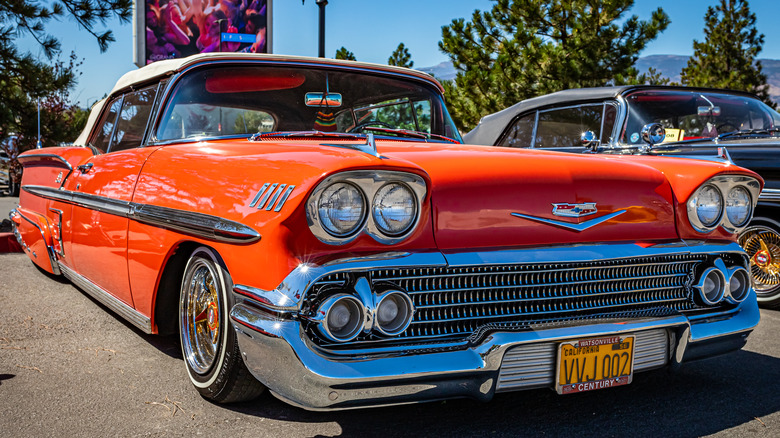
{"type": "Point", "coordinates": [70, 367]}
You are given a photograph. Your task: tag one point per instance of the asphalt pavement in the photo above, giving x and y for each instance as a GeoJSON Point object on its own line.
{"type": "Point", "coordinates": [70, 367]}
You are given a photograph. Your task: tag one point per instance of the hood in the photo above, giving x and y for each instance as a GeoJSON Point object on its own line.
{"type": "Point", "coordinates": [488, 197]}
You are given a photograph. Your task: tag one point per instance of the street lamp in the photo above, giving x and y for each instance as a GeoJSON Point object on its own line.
{"type": "Point", "coordinates": [321, 4]}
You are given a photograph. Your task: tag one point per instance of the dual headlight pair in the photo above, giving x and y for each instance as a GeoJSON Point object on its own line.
{"type": "Point", "coordinates": [725, 201]}
{"type": "Point", "coordinates": [383, 204]}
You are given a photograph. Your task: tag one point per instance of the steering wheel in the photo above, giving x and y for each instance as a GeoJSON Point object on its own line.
{"type": "Point", "coordinates": [731, 127]}
{"type": "Point", "coordinates": [360, 126]}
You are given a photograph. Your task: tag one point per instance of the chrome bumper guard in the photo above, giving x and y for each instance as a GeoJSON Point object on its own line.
{"type": "Point", "coordinates": [279, 354]}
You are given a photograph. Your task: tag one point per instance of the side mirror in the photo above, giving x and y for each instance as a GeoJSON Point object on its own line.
{"type": "Point", "coordinates": [589, 140]}
{"type": "Point", "coordinates": [653, 133]}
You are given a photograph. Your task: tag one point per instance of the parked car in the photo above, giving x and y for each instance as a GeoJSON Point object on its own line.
{"type": "Point", "coordinates": [315, 227]}
{"type": "Point", "coordinates": [693, 122]}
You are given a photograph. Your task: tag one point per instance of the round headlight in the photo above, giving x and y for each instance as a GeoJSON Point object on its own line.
{"type": "Point", "coordinates": [341, 209]}
{"type": "Point", "coordinates": [394, 209]}
{"type": "Point", "coordinates": [709, 205]}
{"type": "Point", "coordinates": [738, 206]}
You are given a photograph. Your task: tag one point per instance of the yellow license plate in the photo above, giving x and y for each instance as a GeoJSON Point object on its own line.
{"type": "Point", "coordinates": [595, 363]}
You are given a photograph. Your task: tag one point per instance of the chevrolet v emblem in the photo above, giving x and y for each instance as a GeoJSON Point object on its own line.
{"type": "Point", "coordinates": [582, 226]}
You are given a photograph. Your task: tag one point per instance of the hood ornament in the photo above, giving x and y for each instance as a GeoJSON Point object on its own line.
{"type": "Point", "coordinates": [573, 210]}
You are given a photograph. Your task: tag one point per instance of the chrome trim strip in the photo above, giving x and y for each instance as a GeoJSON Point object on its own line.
{"type": "Point", "coordinates": [104, 297]}
{"type": "Point", "coordinates": [59, 230]}
{"type": "Point", "coordinates": [275, 196]}
{"type": "Point", "coordinates": [266, 196]}
{"type": "Point", "coordinates": [196, 224]}
{"type": "Point", "coordinates": [49, 251]}
{"type": "Point", "coordinates": [290, 293]}
{"type": "Point", "coordinates": [58, 160]}
{"type": "Point", "coordinates": [769, 195]}
{"type": "Point", "coordinates": [257, 197]}
{"type": "Point", "coordinates": [582, 226]}
{"type": "Point", "coordinates": [284, 198]}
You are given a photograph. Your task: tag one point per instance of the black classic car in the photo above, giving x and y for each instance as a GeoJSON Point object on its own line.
{"type": "Point", "coordinates": [662, 120]}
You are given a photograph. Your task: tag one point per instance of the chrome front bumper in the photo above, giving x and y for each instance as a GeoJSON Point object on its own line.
{"type": "Point", "coordinates": [279, 354]}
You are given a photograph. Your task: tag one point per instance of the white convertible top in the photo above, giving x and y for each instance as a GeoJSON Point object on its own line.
{"type": "Point", "coordinates": [170, 66]}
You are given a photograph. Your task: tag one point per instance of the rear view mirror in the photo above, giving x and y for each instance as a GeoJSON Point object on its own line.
{"type": "Point", "coordinates": [708, 111]}
{"type": "Point", "coordinates": [323, 100]}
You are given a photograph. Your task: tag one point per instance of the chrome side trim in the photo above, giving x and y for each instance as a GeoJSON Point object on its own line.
{"type": "Point", "coordinates": [257, 197]}
{"type": "Point", "coordinates": [59, 230]}
{"type": "Point", "coordinates": [49, 251]}
{"type": "Point", "coordinates": [769, 195]}
{"type": "Point", "coordinates": [104, 297]}
{"type": "Point", "coordinates": [275, 196]}
{"type": "Point", "coordinates": [196, 224]}
{"type": "Point", "coordinates": [54, 159]}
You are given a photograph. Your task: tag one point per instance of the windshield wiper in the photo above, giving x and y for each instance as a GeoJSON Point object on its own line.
{"type": "Point", "coordinates": [748, 133]}
{"type": "Point", "coordinates": [293, 134]}
{"type": "Point", "coordinates": [409, 133]}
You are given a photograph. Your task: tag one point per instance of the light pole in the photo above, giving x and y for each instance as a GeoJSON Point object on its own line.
{"type": "Point", "coordinates": [321, 4]}
{"type": "Point", "coordinates": [38, 146]}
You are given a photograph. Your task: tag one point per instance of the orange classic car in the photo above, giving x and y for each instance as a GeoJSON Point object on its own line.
{"type": "Point", "coordinates": [315, 227]}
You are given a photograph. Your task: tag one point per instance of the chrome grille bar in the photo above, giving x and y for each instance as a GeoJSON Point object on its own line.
{"type": "Point", "coordinates": [454, 302]}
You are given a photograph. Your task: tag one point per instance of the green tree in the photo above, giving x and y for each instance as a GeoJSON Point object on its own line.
{"type": "Point", "coordinates": [26, 80]}
{"type": "Point", "coordinates": [343, 53]}
{"type": "Point", "coordinates": [401, 57]}
{"type": "Point", "coordinates": [525, 48]}
{"type": "Point", "coordinates": [727, 57]}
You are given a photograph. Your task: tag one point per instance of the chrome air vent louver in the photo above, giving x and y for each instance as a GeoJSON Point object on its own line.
{"type": "Point", "coordinates": [453, 302]}
{"type": "Point", "coordinates": [271, 196]}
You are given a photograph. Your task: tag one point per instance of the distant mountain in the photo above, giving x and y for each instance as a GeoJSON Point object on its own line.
{"type": "Point", "coordinates": [668, 65]}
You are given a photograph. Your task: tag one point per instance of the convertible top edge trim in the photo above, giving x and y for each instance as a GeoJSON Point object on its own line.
{"type": "Point", "coordinates": [136, 318]}
{"type": "Point", "coordinates": [196, 224]}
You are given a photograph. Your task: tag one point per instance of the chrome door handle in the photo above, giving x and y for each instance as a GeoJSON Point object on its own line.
{"type": "Point", "coordinates": [84, 168]}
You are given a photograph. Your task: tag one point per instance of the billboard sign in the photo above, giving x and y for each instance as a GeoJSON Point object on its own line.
{"type": "Point", "coordinates": [178, 28]}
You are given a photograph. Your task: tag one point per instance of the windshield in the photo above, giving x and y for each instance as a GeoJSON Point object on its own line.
{"type": "Point", "coordinates": [220, 101]}
{"type": "Point", "coordinates": [689, 115]}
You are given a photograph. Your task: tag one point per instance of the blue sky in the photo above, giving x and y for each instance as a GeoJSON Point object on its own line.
{"type": "Point", "coordinates": [372, 29]}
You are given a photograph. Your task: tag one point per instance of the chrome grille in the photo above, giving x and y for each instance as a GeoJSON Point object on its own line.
{"type": "Point", "coordinates": [454, 302]}
{"type": "Point", "coordinates": [533, 365]}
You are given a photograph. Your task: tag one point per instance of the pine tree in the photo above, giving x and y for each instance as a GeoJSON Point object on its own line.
{"type": "Point", "coordinates": [525, 48]}
{"type": "Point", "coordinates": [401, 57]}
{"type": "Point", "coordinates": [343, 53]}
{"type": "Point", "coordinates": [727, 57]}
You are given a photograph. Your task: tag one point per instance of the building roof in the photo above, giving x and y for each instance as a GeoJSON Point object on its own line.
{"type": "Point", "coordinates": [491, 126]}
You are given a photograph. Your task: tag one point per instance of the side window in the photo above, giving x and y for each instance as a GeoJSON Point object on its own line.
{"type": "Point", "coordinates": [106, 125]}
{"type": "Point", "coordinates": [130, 126]}
{"type": "Point", "coordinates": [563, 127]}
{"type": "Point", "coordinates": [521, 133]}
{"type": "Point", "coordinates": [608, 124]}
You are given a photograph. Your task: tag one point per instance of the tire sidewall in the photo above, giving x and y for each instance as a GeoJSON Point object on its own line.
{"type": "Point", "coordinates": [211, 383]}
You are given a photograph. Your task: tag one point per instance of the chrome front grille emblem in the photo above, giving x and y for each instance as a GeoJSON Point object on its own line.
{"type": "Point", "coordinates": [269, 194]}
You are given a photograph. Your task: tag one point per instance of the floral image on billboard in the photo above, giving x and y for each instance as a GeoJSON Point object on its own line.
{"type": "Point", "coordinates": [179, 28]}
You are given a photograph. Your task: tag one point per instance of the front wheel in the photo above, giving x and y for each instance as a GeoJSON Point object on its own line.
{"type": "Point", "coordinates": [208, 342]}
{"type": "Point", "coordinates": [761, 242]}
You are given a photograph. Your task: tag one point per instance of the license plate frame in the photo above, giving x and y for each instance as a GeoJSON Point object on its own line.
{"type": "Point", "coordinates": [581, 363]}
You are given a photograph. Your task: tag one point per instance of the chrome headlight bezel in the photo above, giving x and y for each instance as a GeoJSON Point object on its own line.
{"type": "Point", "coordinates": [724, 184]}
{"type": "Point", "coordinates": [369, 182]}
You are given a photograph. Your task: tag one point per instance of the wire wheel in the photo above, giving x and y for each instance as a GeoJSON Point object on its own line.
{"type": "Point", "coordinates": [200, 316]}
{"type": "Point", "coordinates": [762, 245]}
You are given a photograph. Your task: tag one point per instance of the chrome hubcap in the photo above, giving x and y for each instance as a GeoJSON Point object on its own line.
{"type": "Point", "coordinates": [762, 245]}
{"type": "Point", "coordinates": [200, 317]}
